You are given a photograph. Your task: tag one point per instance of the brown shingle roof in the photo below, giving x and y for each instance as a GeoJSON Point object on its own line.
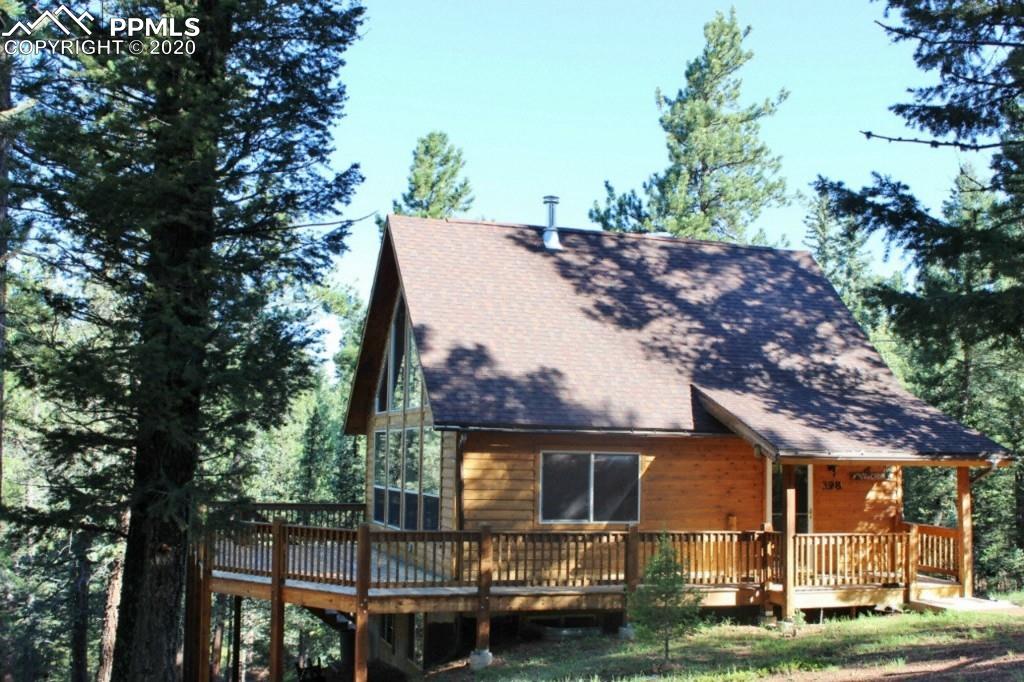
{"type": "Point", "coordinates": [627, 332]}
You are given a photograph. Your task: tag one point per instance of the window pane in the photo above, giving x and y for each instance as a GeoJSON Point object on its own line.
{"type": "Point", "coordinates": [412, 511]}
{"type": "Point", "coordinates": [431, 461]}
{"type": "Point", "coordinates": [380, 452]}
{"type": "Point", "coordinates": [412, 459]}
{"type": "Point", "coordinates": [431, 512]}
{"type": "Point", "coordinates": [394, 507]}
{"type": "Point", "coordinates": [382, 386]}
{"type": "Point", "coordinates": [565, 485]}
{"type": "Point", "coordinates": [412, 396]}
{"type": "Point", "coordinates": [379, 503]}
{"type": "Point", "coordinates": [616, 487]}
{"type": "Point", "coordinates": [398, 349]}
{"type": "Point", "coordinates": [395, 459]}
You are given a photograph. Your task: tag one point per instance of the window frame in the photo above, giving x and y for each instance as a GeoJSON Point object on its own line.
{"type": "Point", "coordinates": [590, 487]}
{"type": "Point", "coordinates": [373, 476]}
{"type": "Point", "coordinates": [387, 370]}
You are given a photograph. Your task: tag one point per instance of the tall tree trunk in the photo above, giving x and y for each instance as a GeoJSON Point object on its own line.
{"type": "Point", "coordinates": [109, 634]}
{"type": "Point", "coordinates": [81, 542]}
{"type": "Point", "coordinates": [220, 616]}
{"type": "Point", "coordinates": [170, 358]}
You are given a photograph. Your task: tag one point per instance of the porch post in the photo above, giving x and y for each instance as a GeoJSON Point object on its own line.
{"type": "Point", "coordinates": [912, 559]}
{"type": "Point", "coordinates": [789, 542]}
{"type": "Point", "coordinates": [363, 566]}
{"type": "Point", "coordinates": [963, 526]}
{"type": "Point", "coordinates": [481, 657]}
{"type": "Point", "coordinates": [278, 556]}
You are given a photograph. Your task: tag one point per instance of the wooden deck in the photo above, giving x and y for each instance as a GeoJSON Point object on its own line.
{"type": "Point", "coordinates": [367, 571]}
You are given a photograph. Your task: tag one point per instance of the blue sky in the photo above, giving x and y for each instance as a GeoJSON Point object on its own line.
{"type": "Point", "coordinates": [555, 97]}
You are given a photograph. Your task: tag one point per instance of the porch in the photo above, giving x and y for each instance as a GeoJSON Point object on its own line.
{"type": "Point", "coordinates": [323, 558]}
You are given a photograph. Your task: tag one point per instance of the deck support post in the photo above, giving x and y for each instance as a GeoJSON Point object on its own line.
{"type": "Point", "coordinates": [278, 558]}
{"type": "Point", "coordinates": [481, 656]}
{"type": "Point", "coordinates": [632, 578]}
{"type": "Point", "coordinates": [912, 559]}
{"type": "Point", "coordinates": [362, 643]}
{"type": "Point", "coordinates": [236, 641]}
{"type": "Point", "coordinates": [963, 526]}
{"type": "Point", "coordinates": [789, 542]}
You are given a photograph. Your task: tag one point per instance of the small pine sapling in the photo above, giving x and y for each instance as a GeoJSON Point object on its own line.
{"type": "Point", "coordinates": [663, 607]}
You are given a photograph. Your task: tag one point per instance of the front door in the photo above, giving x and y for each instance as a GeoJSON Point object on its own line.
{"type": "Point", "coordinates": [804, 504]}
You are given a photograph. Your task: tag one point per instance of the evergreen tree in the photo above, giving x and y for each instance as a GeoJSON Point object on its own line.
{"type": "Point", "coordinates": [316, 452]}
{"type": "Point", "coordinates": [976, 381]}
{"type": "Point", "coordinates": [170, 192]}
{"type": "Point", "coordinates": [973, 50]}
{"type": "Point", "coordinates": [970, 300]}
{"type": "Point", "coordinates": [720, 174]}
{"type": "Point", "coordinates": [663, 608]}
{"type": "Point", "coordinates": [840, 251]}
{"type": "Point", "coordinates": [436, 189]}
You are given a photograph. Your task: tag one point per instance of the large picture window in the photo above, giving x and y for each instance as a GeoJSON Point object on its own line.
{"type": "Point", "coordinates": [406, 451]}
{"type": "Point", "coordinates": [590, 487]}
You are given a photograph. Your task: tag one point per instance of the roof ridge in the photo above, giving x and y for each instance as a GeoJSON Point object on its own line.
{"type": "Point", "coordinates": [667, 239]}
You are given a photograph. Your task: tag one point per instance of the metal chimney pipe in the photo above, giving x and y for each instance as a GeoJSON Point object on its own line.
{"type": "Point", "coordinates": [551, 242]}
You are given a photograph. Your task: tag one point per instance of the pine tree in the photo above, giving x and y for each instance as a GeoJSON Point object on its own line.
{"type": "Point", "coordinates": [720, 174]}
{"type": "Point", "coordinates": [975, 381]}
{"type": "Point", "coordinates": [316, 453]}
{"type": "Point", "coordinates": [435, 189]}
{"type": "Point", "coordinates": [972, 47]}
{"type": "Point", "coordinates": [840, 251]}
{"type": "Point", "coordinates": [169, 194]}
{"type": "Point", "coordinates": [663, 608]}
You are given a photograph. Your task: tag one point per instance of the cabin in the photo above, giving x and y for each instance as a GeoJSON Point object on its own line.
{"type": "Point", "coordinates": [542, 404]}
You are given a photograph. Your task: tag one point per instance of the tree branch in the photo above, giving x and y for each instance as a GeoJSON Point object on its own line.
{"type": "Point", "coordinates": [962, 146]}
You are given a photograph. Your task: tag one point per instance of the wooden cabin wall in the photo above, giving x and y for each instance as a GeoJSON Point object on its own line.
{"type": "Point", "coordinates": [686, 483]}
{"type": "Point", "coordinates": [845, 504]}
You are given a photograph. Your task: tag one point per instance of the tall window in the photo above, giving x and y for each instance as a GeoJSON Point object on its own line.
{"type": "Point", "coordinates": [407, 451]}
{"type": "Point", "coordinates": [590, 487]}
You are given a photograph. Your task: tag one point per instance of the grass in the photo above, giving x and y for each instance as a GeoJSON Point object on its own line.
{"type": "Point", "coordinates": [735, 653]}
{"type": "Point", "coordinates": [1015, 597]}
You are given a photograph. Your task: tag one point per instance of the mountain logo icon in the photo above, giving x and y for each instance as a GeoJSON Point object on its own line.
{"type": "Point", "coordinates": [53, 17]}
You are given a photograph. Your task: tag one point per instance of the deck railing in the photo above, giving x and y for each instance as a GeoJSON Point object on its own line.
{"type": "Point", "coordinates": [719, 557]}
{"type": "Point", "coordinates": [835, 559]}
{"type": "Point", "coordinates": [424, 558]}
{"type": "Point", "coordinates": [403, 559]}
{"type": "Point", "coordinates": [320, 514]}
{"type": "Point", "coordinates": [552, 559]}
{"type": "Point", "coordinates": [938, 551]}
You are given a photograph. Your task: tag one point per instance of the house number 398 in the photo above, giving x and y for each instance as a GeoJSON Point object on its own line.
{"type": "Point", "coordinates": [831, 485]}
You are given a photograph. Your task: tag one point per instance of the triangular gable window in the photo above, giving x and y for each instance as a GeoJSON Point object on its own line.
{"type": "Point", "coordinates": [406, 448]}
{"type": "Point", "coordinates": [400, 385]}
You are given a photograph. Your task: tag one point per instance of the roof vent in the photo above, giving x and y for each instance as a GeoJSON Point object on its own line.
{"type": "Point", "coordinates": [551, 242]}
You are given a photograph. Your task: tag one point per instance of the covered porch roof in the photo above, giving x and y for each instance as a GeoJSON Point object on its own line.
{"type": "Point", "coordinates": [825, 430]}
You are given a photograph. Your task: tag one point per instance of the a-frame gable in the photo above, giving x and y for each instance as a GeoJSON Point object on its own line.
{"type": "Point", "coordinates": [383, 296]}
